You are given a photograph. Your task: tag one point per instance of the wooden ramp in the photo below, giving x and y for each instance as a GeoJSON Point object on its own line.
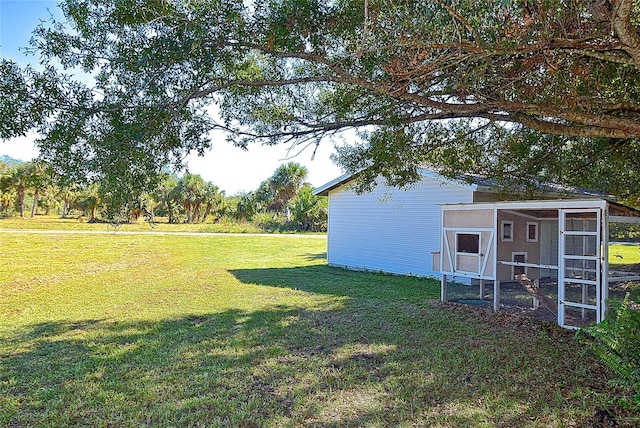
{"type": "Point", "coordinates": [547, 302]}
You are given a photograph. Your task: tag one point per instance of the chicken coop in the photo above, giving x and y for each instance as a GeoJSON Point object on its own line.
{"type": "Point", "coordinates": [549, 256]}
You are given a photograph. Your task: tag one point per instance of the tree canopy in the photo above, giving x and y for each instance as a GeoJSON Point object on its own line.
{"type": "Point", "coordinates": [507, 88]}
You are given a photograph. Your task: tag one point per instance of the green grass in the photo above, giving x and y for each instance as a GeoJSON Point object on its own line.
{"type": "Point", "coordinates": [121, 330]}
{"type": "Point", "coordinates": [620, 255]}
{"type": "Point", "coordinates": [160, 224]}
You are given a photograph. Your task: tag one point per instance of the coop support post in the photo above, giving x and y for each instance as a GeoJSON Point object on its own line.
{"type": "Point", "coordinates": [585, 299]}
{"type": "Point", "coordinates": [536, 301]}
{"type": "Point", "coordinates": [604, 265]}
{"type": "Point", "coordinates": [443, 288]}
{"type": "Point", "coordinates": [496, 295]}
{"type": "Point", "coordinates": [481, 289]}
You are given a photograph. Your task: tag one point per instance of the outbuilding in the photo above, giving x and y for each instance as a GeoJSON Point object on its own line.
{"type": "Point", "coordinates": [391, 229]}
{"type": "Point", "coordinates": [454, 229]}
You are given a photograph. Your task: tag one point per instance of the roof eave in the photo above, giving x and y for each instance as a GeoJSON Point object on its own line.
{"type": "Point", "coordinates": [333, 184]}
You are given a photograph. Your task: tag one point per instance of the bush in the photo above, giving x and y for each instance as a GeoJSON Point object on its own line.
{"type": "Point", "coordinates": [616, 341]}
{"type": "Point", "coordinates": [309, 212]}
{"type": "Point", "coordinates": [624, 232]}
{"type": "Point", "coordinates": [269, 220]}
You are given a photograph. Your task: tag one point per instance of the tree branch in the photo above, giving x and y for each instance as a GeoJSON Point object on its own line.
{"type": "Point", "coordinates": [460, 18]}
{"type": "Point", "coordinates": [625, 30]}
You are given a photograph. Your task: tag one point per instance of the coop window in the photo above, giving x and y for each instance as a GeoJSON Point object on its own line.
{"type": "Point", "coordinates": [532, 232]}
{"type": "Point", "coordinates": [468, 243]}
{"type": "Point", "coordinates": [506, 232]}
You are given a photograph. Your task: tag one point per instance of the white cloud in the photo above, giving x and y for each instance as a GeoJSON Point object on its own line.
{"type": "Point", "coordinates": [234, 170]}
{"type": "Point", "coordinates": [20, 147]}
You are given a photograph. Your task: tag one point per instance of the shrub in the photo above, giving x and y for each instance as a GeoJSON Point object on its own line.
{"type": "Point", "coordinates": [269, 221]}
{"type": "Point", "coordinates": [624, 232]}
{"type": "Point", "coordinates": [308, 211]}
{"type": "Point", "coordinates": [616, 341]}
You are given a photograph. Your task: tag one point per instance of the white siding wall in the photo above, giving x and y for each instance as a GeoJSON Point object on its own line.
{"type": "Point", "coordinates": [391, 230]}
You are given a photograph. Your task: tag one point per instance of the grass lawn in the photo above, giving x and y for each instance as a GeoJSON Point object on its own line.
{"type": "Point", "coordinates": [624, 255]}
{"type": "Point", "coordinates": [122, 330]}
{"type": "Point", "coordinates": [160, 224]}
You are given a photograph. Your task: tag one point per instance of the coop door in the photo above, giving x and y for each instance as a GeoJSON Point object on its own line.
{"type": "Point", "coordinates": [519, 257]}
{"type": "Point", "coordinates": [579, 278]}
{"type": "Point", "coordinates": [467, 252]}
{"type": "Point", "coordinates": [468, 256]}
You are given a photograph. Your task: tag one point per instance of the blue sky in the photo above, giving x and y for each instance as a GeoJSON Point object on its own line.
{"type": "Point", "coordinates": [18, 18]}
{"type": "Point", "coordinates": [228, 167]}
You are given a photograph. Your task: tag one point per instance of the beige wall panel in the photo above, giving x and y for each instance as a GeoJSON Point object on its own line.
{"type": "Point", "coordinates": [468, 218]}
{"type": "Point", "coordinates": [467, 263]}
{"type": "Point", "coordinates": [435, 260]}
{"type": "Point", "coordinates": [518, 245]}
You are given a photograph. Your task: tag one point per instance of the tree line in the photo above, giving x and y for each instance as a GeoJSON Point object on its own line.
{"type": "Point", "coordinates": [283, 201]}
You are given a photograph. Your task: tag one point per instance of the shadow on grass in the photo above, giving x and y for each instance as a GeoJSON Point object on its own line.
{"type": "Point", "coordinates": [324, 279]}
{"type": "Point", "coordinates": [317, 256]}
{"type": "Point", "coordinates": [380, 363]}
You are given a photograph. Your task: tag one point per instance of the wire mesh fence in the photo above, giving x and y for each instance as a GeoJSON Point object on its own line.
{"type": "Point", "coordinates": [516, 299]}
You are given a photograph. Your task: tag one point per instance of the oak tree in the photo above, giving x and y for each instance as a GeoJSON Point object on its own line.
{"type": "Point", "coordinates": [509, 88]}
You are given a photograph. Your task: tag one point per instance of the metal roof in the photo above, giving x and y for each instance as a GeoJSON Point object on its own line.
{"type": "Point", "coordinates": [346, 178]}
{"type": "Point", "coordinates": [475, 183]}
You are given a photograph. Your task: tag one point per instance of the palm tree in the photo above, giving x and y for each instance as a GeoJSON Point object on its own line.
{"type": "Point", "coordinates": [6, 199]}
{"type": "Point", "coordinates": [67, 193]}
{"type": "Point", "coordinates": [309, 211]}
{"type": "Point", "coordinates": [90, 201]}
{"type": "Point", "coordinates": [166, 195]}
{"type": "Point", "coordinates": [190, 191]}
{"type": "Point", "coordinates": [286, 181]}
{"type": "Point", "coordinates": [49, 199]}
{"type": "Point", "coordinates": [19, 181]}
{"type": "Point", "coordinates": [245, 206]}
{"type": "Point", "coordinates": [7, 191]}
{"type": "Point", "coordinates": [143, 205]}
{"type": "Point", "coordinates": [38, 179]}
{"type": "Point", "coordinates": [263, 197]}
{"type": "Point", "coordinates": [212, 197]}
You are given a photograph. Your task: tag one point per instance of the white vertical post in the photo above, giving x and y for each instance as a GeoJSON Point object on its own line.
{"type": "Point", "coordinates": [561, 269]}
{"type": "Point", "coordinates": [443, 288]}
{"type": "Point", "coordinates": [585, 294]}
{"type": "Point", "coordinates": [604, 265]}
{"type": "Point", "coordinates": [494, 243]}
{"type": "Point", "coordinates": [536, 301]}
